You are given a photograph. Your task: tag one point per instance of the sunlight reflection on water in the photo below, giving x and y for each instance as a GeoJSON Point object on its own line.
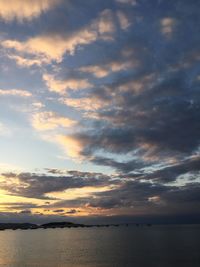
{"type": "Point", "coordinates": [111, 247]}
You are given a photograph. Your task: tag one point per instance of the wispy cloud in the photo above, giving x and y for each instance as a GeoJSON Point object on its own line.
{"type": "Point", "coordinates": [15, 92]}
{"type": "Point", "coordinates": [123, 20]}
{"type": "Point", "coordinates": [61, 86]}
{"type": "Point", "coordinates": [105, 69]}
{"type": "Point", "coordinates": [49, 120]}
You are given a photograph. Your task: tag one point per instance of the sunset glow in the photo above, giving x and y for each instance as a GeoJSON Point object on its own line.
{"type": "Point", "coordinates": [99, 109]}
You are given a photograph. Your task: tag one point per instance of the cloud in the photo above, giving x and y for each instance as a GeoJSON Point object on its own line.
{"type": "Point", "coordinates": [124, 167]}
{"type": "Point", "coordinates": [26, 212]}
{"type": "Point", "coordinates": [84, 104]}
{"type": "Point", "coordinates": [137, 197]}
{"type": "Point", "coordinates": [72, 211]}
{"type": "Point", "coordinates": [61, 86]}
{"type": "Point", "coordinates": [59, 211]}
{"type": "Point", "coordinates": [18, 205]}
{"type": "Point", "coordinates": [97, 71]}
{"type": "Point", "coordinates": [131, 2]}
{"type": "Point", "coordinates": [21, 10]}
{"type": "Point", "coordinates": [121, 195]}
{"type": "Point", "coordinates": [171, 173]}
{"type": "Point", "coordinates": [105, 24]}
{"type": "Point", "coordinates": [123, 20]}
{"type": "Point", "coordinates": [43, 46]}
{"type": "Point", "coordinates": [146, 116]}
{"type": "Point", "coordinates": [15, 92]}
{"type": "Point", "coordinates": [49, 120]}
{"type": "Point", "coordinates": [25, 61]}
{"type": "Point", "coordinates": [181, 172]}
{"type": "Point", "coordinates": [105, 69]}
{"type": "Point", "coordinates": [38, 186]}
{"type": "Point", "coordinates": [135, 92]}
{"type": "Point", "coordinates": [72, 146]}
{"type": "Point", "coordinates": [167, 26]}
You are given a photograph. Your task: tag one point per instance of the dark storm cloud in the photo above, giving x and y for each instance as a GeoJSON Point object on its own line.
{"type": "Point", "coordinates": [37, 185]}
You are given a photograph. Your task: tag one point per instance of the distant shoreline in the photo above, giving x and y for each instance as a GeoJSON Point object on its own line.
{"type": "Point", "coordinates": [54, 225]}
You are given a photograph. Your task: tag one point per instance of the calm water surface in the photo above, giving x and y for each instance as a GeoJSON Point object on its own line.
{"type": "Point", "coordinates": [156, 246]}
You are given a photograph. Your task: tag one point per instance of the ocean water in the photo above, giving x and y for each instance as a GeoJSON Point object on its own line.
{"type": "Point", "coordinates": [156, 246]}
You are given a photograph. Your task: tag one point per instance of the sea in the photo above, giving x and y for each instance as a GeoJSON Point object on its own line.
{"type": "Point", "coordinates": [133, 246]}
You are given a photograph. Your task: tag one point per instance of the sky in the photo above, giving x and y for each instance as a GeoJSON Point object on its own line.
{"type": "Point", "coordinates": [100, 110]}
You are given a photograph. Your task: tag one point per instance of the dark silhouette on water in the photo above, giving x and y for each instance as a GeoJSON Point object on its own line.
{"type": "Point", "coordinates": [53, 225]}
{"type": "Point", "coordinates": [15, 226]}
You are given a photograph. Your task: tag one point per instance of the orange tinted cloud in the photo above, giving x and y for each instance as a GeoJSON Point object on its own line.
{"type": "Point", "coordinates": [43, 46]}
{"type": "Point", "coordinates": [15, 92]}
{"type": "Point", "coordinates": [167, 26]}
{"type": "Point", "coordinates": [123, 20]}
{"type": "Point", "coordinates": [61, 86]}
{"type": "Point", "coordinates": [24, 61]}
{"type": "Point", "coordinates": [24, 9]}
{"type": "Point", "coordinates": [72, 146]}
{"type": "Point", "coordinates": [106, 69]}
{"type": "Point", "coordinates": [49, 120]}
{"type": "Point", "coordinates": [87, 104]}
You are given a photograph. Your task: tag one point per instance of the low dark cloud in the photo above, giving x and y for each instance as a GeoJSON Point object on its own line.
{"type": "Point", "coordinates": [59, 211]}
{"type": "Point", "coordinates": [148, 198]}
{"type": "Point", "coordinates": [26, 212]}
{"type": "Point", "coordinates": [38, 185]}
{"type": "Point", "coordinates": [136, 197]}
{"type": "Point", "coordinates": [72, 211]}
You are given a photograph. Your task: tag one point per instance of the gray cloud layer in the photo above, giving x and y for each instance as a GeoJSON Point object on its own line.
{"type": "Point", "coordinates": [36, 186]}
